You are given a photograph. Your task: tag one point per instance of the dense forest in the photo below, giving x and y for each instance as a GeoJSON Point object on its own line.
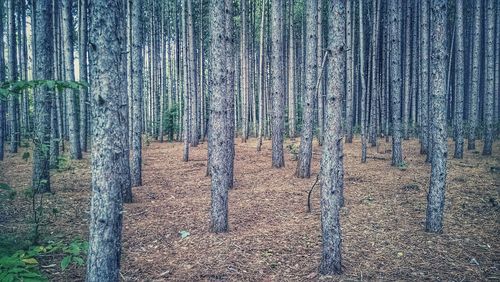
{"type": "Point", "coordinates": [249, 140]}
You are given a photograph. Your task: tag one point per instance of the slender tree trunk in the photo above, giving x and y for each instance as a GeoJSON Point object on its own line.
{"type": "Point", "coordinates": [395, 22]}
{"type": "Point", "coordinates": [73, 125]}
{"type": "Point", "coordinates": [407, 71]}
{"type": "Point", "coordinates": [474, 95]}
{"type": "Point", "coordinates": [43, 70]}
{"type": "Point", "coordinates": [459, 81]}
{"type": "Point", "coordinates": [319, 57]}
{"type": "Point", "coordinates": [185, 155]}
{"type": "Point", "coordinates": [13, 76]}
{"type": "Point", "coordinates": [83, 74]}
{"type": "Point", "coordinates": [363, 82]}
{"type": "Point", "coordinates": [2, 78]}
{"type": "Point", "coordinates": [305, 150]}
{"type": "Point", "coordinates": [436, 195]}
{"type": "Point", "coordinates": [192, 78]}
{"type": "Point", "coordinates": [349, 70]}
{"type": "Point", "coordinates": [490, 77]}
{"type": "Point", "coordinates": [424, 82]}
{"type": "Point", "coordinates": [332, 167]}
{"type": "Point", "coordinates": [229, 94]}
{"type": "Point", "coordinates": [222, 152]}
{"type": "Point", "coordinates": [291, 76]}
{"type": "Point", "coordinates": [137, 92]}
{"type": "Point", "coordinates": [110, 159]}
{"type": "Point", "coordinates": [277, 84]}
{"type": "Point", "coordinates": [261, 75]}
{"type": "Point", "coordinates": [55, 137]}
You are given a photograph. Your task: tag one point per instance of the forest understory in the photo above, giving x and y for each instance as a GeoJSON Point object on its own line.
{"type": "Point", "coordinates": [272, 236]}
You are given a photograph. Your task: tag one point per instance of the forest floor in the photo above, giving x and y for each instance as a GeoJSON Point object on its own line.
{"type": "Point", "coordinates": [272, 237]}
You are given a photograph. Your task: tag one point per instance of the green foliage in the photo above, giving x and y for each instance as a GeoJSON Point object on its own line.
{"type": "Point", "coordinates": [403, 166]}
{"type": "Point", "coordinates": [23, 265]}
{"type": "Point", "coordinates": [170, 125]}
{"type": "Point", "coordinates": [293, 149]}
{"type": "Point", "coordinates": [26, 156]}
{"type": "Point", "coordinates": [64, 164]}
{"type": "Point", "coordinates": [184, 234]}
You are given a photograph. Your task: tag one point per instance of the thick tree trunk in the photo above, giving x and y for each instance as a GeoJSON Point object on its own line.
{"type": "Point", "coordinates": [292, 123]}
{"type": "Point", "coordinates": [277, 84]}
{"type": "Point", "coordinates": [459, 81]}
{"type": "Point", "coordinates": [395, 22]}
{"type": "Point", "coordinates": [332, 170]}
{"type": "Point", "coordinates": [73, 125]}
{"type": "Point", "coordinates": [110, 160]}
{"type": "Point", "coordinates": [43, 70]}
{"type": "Point", "coordinates": [137, 92]}
{"type": "Point", "coordinates": [490, 77]}
{"type": "Point", "coordinates": [407, 71]}
{"type": "Point", "coordinates": [229, 94]}
{"type": "Point", "coordinates": [221, 151]}
{"type": "Point", "coordinates": [476, 72]}
{"type": "Point", "coordinates": [436, 194]}
{"type": "Point", "coordinates": [305, 150]}
{"type": "Point", "coordinates": [192, 78]}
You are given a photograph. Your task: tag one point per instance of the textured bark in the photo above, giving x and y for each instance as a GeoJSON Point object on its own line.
{"type": "Point", "coordinates": [407, 71]}
{"type": "Point", "coordinates": [185, 85]}
{"type": "Point", "coordinates": [261, 75]}
{"type": "Point", "coordinates": [13, 76]}
{"type": "Point", "coordinates": [319, 99]}
{"type": "Point", "coordinates": [424, 81]}
{"type": "Point", "coordinates": [221, 150]}
{"type": "Point", "coordinates": [43, 70]}
{"type": "Point", "coordinates": [137, 92]}
{"type": "Point", "coordinates": [72, 115]}
{"type": "Point", "coordinates": [363, 90]}
{"type": "Point", "coordinates": [244, 72]}
{"type": "Point", "coordinates": [332, 171]}
{"type": "Point", "coordinates": [490, 77]}
{"type": "Point", "coordinates": [83, 38]}
{"type": "Point", "coordinates": [2, 78]}
{"type": "Point", "coordinates": [305, 149]}
{"type": "Point", "coordinates": [459, 81]}
{"type": "Point", "coordinates": [292, 122]}
{"type": "Point", "coordinates": [229, 94]}
{"type": "Point", "coordinates": [277, 84]}
{"type": "Point", "coordinates": [349, 71]}
{"type": "Point", "coordinates": [436, 194]}
{"type": "Point", "coordinates": [192, 79]}
{"type": "Point", "coordinates": [110, 160]}
{"type": "Point", "coordinates": [395, 22]}
{"type": "Point", "coordinates": [476, 72]}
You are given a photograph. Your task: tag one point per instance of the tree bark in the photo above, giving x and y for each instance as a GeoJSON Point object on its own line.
{"type": "Point", "coordinates": [305, 150]}
{"type": "Point", "coordinates": [363, 79]}
{"type": "Point", "coordinates": [332, 171]}
{"type": "Point", "coordinates": [110, 159]}
{"type": "Point", "coordinates": [474, 95]}
{"type": "Point", "coordinates": [137, 92]}
{"type": "Point", "coordinates": [2, 78]}
{"type": "Point", "coordinates": [221, 151]}
{"type": "Point", "coordinates": [83, 74]}
{"type": "Point", "coordinates": [277, 84]}
{"type": "Point", "coordinates": [13, 76]}
{"type": "Point", "coordinates": [459, 81]}
{"type": "Point", "coordinates": [436, 194]}
{"type": "Point", "coordinates": [73, 125]}
{"type": "Point", "coordinates": [424, 82]}
{"type": "Point", "coordinates": [490, 77]}
{"type": "Point", "coordinates": [395, 22]}
{"type": "Point", "coordinates": [349, 71]}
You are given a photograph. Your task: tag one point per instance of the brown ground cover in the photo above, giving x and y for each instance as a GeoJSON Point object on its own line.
{"type": "Point", "coordinates": [272, 237]}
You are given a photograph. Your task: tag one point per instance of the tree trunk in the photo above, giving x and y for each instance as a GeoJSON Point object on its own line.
{"type": "Point", "coordinates": [435, 197]}
{"type": "Point", "coordinates": [459, 81]}
{"type": "Point", "coordinates": [221, 151]}
{"type": "Point", "coordinates": [291, 76]}
{"type": "Point", "coordinates": [490, 77]}
{"type": "Point", "coordinates": [83, 74]}
{"type": "Point", "coordinates": [332, 167]}
{"type": "Point", "coordinates": [73, 125]}
{"type": "Point", "coordinates": [137, 92]}
{"type": "Point", "coordinates": [192, 78]}
{"type": "Point", "coordinates": [13, 76]}
{"type": "Point", "coordinates": [319, 60]}
{"type": "Point", "coordinates": [43, 70]}
{"type": "Point", "coordinates": [229, 94]}
{"type": "Point", "coordinates": [305, 150]}
{"type": "Point", "coordinates": [110, 159]}
{"type": "Point", "coordinates": [424, 82]}
{"type": "Point", "coordinates": [407, 71]}
{"type": "Point", "coordinates": [261, 75]}
{"type": "Point", "coordinates": [395, 22]}
{"type": "Point", "coordinates": [277, 84]}
{"type": "Point", "coordinates": [363, 79]}
{"type": "Point", "coordinates": [349, 71]}
{"type": "Point", "coordinates": [474, 95]}
{"type": "Point", "coordinates": [2, 78]}
{"type": "Point", "coordinates": [185, 155]}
